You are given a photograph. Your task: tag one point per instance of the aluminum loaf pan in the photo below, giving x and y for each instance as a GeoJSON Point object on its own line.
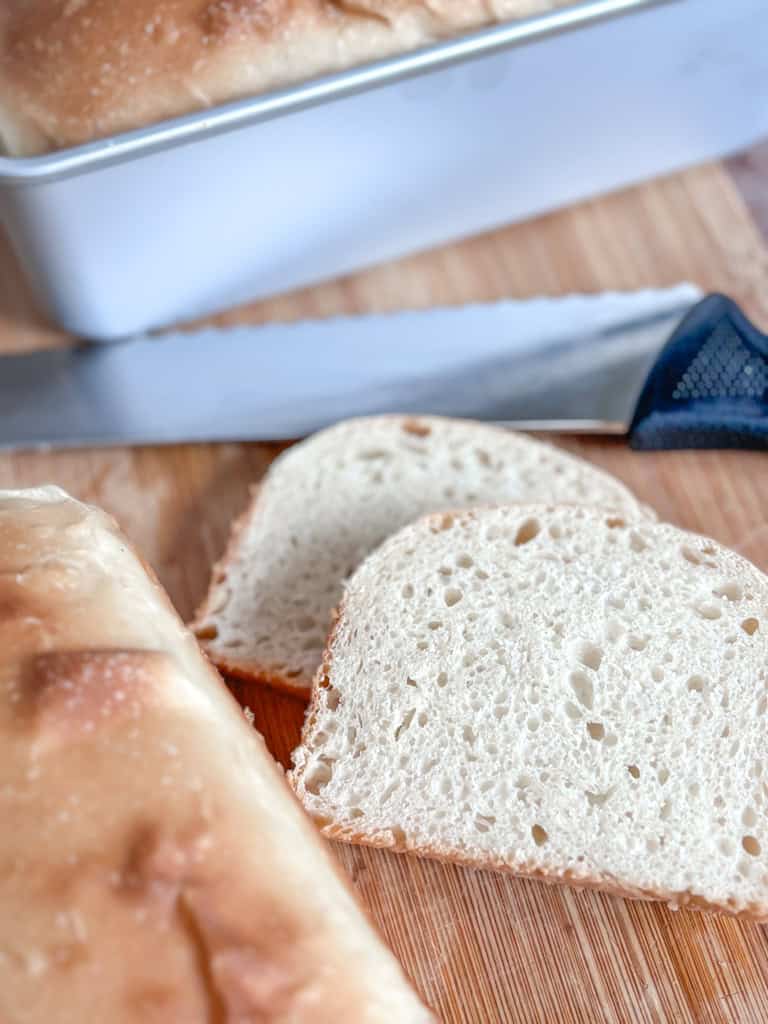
{"type": "Point", "coordinates": [264, 195]}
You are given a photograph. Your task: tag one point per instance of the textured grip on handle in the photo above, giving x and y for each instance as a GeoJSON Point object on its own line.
{"type": "Point", "coordinates": [709, 386]}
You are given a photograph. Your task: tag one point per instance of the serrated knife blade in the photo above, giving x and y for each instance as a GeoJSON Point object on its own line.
{"type": "Point", "coordinates": [572, 363]}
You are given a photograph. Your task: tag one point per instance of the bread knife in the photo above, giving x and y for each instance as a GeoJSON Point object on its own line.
{"type": "Point", "coordinates": [667, 367]}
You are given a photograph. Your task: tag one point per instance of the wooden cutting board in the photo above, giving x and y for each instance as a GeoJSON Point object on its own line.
{"type": "Point", "coordinates": [483, 948]}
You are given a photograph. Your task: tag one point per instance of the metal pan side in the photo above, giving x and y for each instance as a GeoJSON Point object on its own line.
{"type": "Point", "coordinates": [324, 89]}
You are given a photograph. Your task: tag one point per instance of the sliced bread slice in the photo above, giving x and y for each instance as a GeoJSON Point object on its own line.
{"type": "Point", "coordinates": [326, 503]}
{"type": "Point", "coordinates": [554, 692]}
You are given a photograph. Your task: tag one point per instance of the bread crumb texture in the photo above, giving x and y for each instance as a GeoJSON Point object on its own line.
{"type": "Point", "coordinates": [554, 691]}
{"type": "Point", "coordinates": [328, 502]}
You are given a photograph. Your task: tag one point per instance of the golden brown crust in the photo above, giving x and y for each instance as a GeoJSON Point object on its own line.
{"type": "Point", "coordinates": [252, 672]}
{"type": "Point", "coordinates": [153, 865]}
{"type": "Point", "coordinates": [75, 70]}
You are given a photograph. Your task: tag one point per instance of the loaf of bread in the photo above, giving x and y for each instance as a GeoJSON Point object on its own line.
{"type": "Point", "coordinates": [76, 70]}
{"type": "Point", "coordinates": [557, 693]}
{"type": "Point", "coordinates": [326, 503]}
{"type": "Point", "coordinates": [154, 866]}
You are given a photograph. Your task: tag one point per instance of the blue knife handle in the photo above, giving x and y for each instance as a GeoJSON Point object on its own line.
{"type": "Point", "coordinates": [709, 386]}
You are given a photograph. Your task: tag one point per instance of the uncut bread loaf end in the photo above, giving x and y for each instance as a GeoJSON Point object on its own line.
{"type": "Point", "coordinates": [154, 866]}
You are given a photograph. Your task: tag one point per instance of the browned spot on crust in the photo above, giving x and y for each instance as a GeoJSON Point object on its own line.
{"type": "Point", "coordinates": [71, 693]}
{"type": "Point", "coordinates": [16, 603]}
{"type": "Point", "coordinates": [222, 18]}
{"type": "Point", "coordinates": [417, 428]}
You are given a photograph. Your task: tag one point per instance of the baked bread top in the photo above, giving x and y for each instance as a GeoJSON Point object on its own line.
{"type": "Point", "coordinates": [76, 70]}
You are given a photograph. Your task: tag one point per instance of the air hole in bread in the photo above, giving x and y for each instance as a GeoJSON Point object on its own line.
{"type": "Point", "coordinates": [207, 633]}
{"type": "Point", "coordinates": [691, 555]}
{"type": "Point", "coordinates": [613, 631]}
{"type": "Point", "coordinates": [731, 591]}
{"type": "Point", "coordinates": [404, 724]}
{"type": "Point", "coordinates": [319, 775]}
{"type": "Point", "coordinates": [464, 562]}
{"type": "Point", "coordinates": [452, 596]}
{"type": "Point", "coordinates": [615, 522]}
{"type": "Point", "coordinates": [332, 698]}
{"type": "Point", "coordinates": [634, 771]}
{"type": "Point", "coordinates": [708, 611]}
{"type": "Point", "coordinates": [750, 626]}
{"type": "Point", "coordinates": [483, 822]}
{"type": "Point", "coordinates": [662, 776]}
{"type": "Point", "coordinates": [696, 684]}
{"type": "Point", "coordinates": [482, 457]}
{"type": "Point", "coordinates": [590, 655]}
{"type": "Point", "coordinates": [749, 818]}
{"type": "Point", "coordinates": [666, 810]}
{"type": "Point", "coordinates": [726, 847]}
{"type": "Point", "coordinates": [582, 687]}
{"type": "Point", "coordinates": [636, 542]}
{"type": "Point", "coordinates": [637, 643]}
{"type": "Point", "coordinates": [445, 570]}
{"type": "Point", "coordinates": [442, 679]}
{"type": "Point", "coordinates": [468, 735]}
{"type": "Point", "coordinates": [572, 711]}
{"type": "Point", "coordinates": [539, 834]}
{"type": "Point", "coordinates": [445, 522]}
{"type": "Point", "coordinates": [657, 674]}
{"type": "Point", "coordinates": [435, 624]}
{"type": "Point", "coordinates": [596, 730]}
{"type": "Point", "coordinates": [407, 591]}
{"type": "Point", "coordinates": [533, 724]}
{"type": "Point", "coordinates": [422, 719]}
{"type": "Point", "coordinates": [598, 799]}
{"type": "Point", "coordinates": [527, 531]}
{"type": "Point", "coordinates": [500, 711]}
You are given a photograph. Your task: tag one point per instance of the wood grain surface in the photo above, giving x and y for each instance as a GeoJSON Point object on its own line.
{"type": "Point", "coordinates": [480, 947]}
